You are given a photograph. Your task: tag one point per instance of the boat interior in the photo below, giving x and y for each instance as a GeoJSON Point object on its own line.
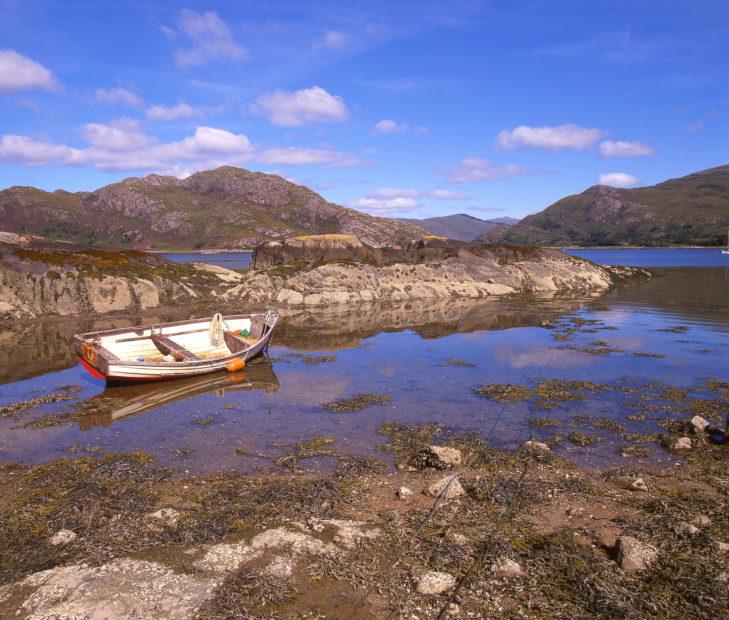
{"type": "Point", "coordinates": [188, 342]}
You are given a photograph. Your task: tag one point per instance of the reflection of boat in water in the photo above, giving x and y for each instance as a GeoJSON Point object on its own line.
{"type": "Point", "coordinates": [176, 350]}
{"type": "Point", "coordinates": [119, 402]}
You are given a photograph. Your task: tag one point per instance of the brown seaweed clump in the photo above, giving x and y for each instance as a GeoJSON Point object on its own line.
{"type": "Point", "coordinates": [504, 392]}
{"type": "Point", "coordinates": [357, 402]}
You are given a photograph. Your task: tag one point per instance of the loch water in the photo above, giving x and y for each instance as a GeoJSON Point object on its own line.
{"type": "Point", "coordinates": [638, 346]}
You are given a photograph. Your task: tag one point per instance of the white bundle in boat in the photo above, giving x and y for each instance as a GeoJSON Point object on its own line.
{"type": "Point", "coordinates": [217, 325]}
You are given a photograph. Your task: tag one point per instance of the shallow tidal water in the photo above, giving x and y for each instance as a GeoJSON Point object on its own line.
{"type": "Point", "coordinates": [632, 344]}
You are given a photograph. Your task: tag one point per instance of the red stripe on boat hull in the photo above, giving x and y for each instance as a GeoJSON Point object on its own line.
{"type": "Point", "coordinates": [91, 370]}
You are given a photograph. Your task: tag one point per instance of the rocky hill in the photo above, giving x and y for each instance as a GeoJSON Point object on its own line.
{"type": "Point", "coordinates": [42, 279]}
{"type": "Point", "coordinates": [691, 210]}
{"type": "Point", "coordinates": [459, 226]}
{"type": "Point", "coordinates": [222, 208]}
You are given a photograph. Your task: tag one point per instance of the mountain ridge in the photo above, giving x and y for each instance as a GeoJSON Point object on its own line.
{"type": "Point", "coordinates": [225, 207]}
{"type": "Point", "coordinates": [459, 226]}
{"type": "Point", "coordinates": [688, 210]}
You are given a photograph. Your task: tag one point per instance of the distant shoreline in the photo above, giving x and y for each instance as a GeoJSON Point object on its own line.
{"type": "Point", "coordinates": [638, 247]}
{"type": "Point", "coordinates": [216, 251]}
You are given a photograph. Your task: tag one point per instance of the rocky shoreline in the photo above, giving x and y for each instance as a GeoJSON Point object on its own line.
{"type": "Point", "coordinates": [38, 279]}
{"type": "Point", "coordinates": [525, 534]}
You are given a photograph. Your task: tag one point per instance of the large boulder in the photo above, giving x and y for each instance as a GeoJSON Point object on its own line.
{"type": "Point", "coordinates": [309, 249]}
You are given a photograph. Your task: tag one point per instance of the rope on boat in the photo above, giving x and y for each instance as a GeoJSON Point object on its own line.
{"type": "Point", "coordinates": [217, 327]}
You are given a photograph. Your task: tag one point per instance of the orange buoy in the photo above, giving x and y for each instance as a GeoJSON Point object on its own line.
{"type": "Point", "coordinates": [235, 365]}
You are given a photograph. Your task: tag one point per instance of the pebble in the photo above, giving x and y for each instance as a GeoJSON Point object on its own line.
{"type": "Point", "coordinates": [701, 521]}
{"type": "Point", "coordinates": [63, 537]}
{"type": "Point", "coordinates": [168, 516]}
{"type": "Point", "coordinates": [682, 443]}
{"type": "Point", "coordinates": [506, 567]}
{"type": "Point", "coordinates": [687, 529]}
{"type": "Point", "coordinates": [635, 555]}
{"type": "Point", "coordinates": [631, 484]}
{"type": "Point", "coordinates": [536, 446]}
{"type": "Point", "coordinates": [699, 423]}
{"type": "Point", "coordinates": [435, 583]}
{"type": "Point", "coordinates": [404, 493]}
{"type": "Point", "coordinates": [722, 546]}
{"type": "Point", "coordinates": [575, 511]}
{"type": "Point", "coordinates": [440, 457]}
{"type": "Point", "coordinates": [454, 490]}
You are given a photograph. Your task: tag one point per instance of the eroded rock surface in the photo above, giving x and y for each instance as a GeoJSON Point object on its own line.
{"type": "Point", "coordinates": [136, 589]}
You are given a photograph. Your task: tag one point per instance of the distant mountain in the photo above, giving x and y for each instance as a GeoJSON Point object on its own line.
{"type": "Point", "coordinates": [691, 210]}
{"type": "Point", "coordinates": [459, 226]}
{"type": "Point", "coordinates": [222, 208]}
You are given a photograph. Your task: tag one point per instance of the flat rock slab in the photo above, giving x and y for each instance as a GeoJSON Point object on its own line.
{"type": "Point", "coordinates": [122, 589]}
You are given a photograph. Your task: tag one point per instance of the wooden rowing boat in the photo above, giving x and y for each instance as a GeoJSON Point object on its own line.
{"type": "Point", "coordinates": [176, 350]}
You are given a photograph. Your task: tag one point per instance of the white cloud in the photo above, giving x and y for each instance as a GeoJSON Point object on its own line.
{"type": "Point", "coordinates": [122, 146]}
{"type": "Point", "coordinates": [625, 149]}
{"type": "Point", "coordinates": [299, 156]}
{"type": "Point", "coordinates": [332, 39]}
{"type": "Point", "coordinates": [446, 194]}
{"type": "Point", "coordinates": [171, 113]}
{"type": "Point", "coordinates": [118, 96]}
{"type": "Point", "coordinates": [618, 179]}
{"type": "Point", "coordinates": [18, 72]}
{"type": "Point", "coordinates": [474, 170]}
{"type": "Point", "coordinates": [122, 135]}
{"type": "Point", "coordinates": [556, 138]}
{"type": "Point", "coordinates": [301, 107]}
{"type": "Point", "coordinates": [210, 39]}
{"type": "Point", "coordinates": [30, 152]}
{"type": "Point", "coordinates": [387, 127]}
{"type": "Point", "coordinates": [387, 199]}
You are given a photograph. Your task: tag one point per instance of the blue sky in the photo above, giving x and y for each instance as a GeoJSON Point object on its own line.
{"type": "Point", "coordinates": [395, 108]}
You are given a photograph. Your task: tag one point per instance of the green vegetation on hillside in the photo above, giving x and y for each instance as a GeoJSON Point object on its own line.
{"type": "Point", "coordinates": [691, 210]}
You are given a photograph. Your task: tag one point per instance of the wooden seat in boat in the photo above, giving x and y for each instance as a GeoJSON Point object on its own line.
{"type": "Point", "coordinates": [170, 347]}
{"type": "Point", "coordinates": [237, 343]}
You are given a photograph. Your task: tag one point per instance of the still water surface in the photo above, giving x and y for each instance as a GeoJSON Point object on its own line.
{"type": "Point", "coordinates": [229, 260]}
{"type": "Point", "coordinates": [678, 322]}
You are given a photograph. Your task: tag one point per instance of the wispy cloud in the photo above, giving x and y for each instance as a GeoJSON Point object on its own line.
{"type": "Point", "coordinates": [300, 156]}
{"type": "Point", "coordinates": [208, 38]}
{"type": "Point", "coordinates": [621, 148]}
{"type": "Point", "coordinates": [119, 96]}
{"type": "Point", "coordinates": [301, 107]}
{"type": "Point", "coordinates": [171, 113]}
{"type": "Point", "coordinates": [404, 84]}
{"type": "Point", "coordinates": [618, 179]}
{"type": "Point", "coordinates": [557, 138]}
{"type": "Point", "coordinates": [387, 199]}
{"type": "Point", "coordinates": [332, 40]}
{"type": "Point", "coordinates": [694, 127]}
{"type": "Point", "coordinates": [617, 47]}
{"type": "Point", "coordinates": [18, 72]}
{"type": "Point", "coordinates": [387, 127]}
{"type": "Point", "coordinates": [475, 170]}
{"type": "Point", "coordinates": [446, 194]}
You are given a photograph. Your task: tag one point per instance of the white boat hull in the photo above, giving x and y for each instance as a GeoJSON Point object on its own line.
{"type": "Point", "coordinates": [131, 355]}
